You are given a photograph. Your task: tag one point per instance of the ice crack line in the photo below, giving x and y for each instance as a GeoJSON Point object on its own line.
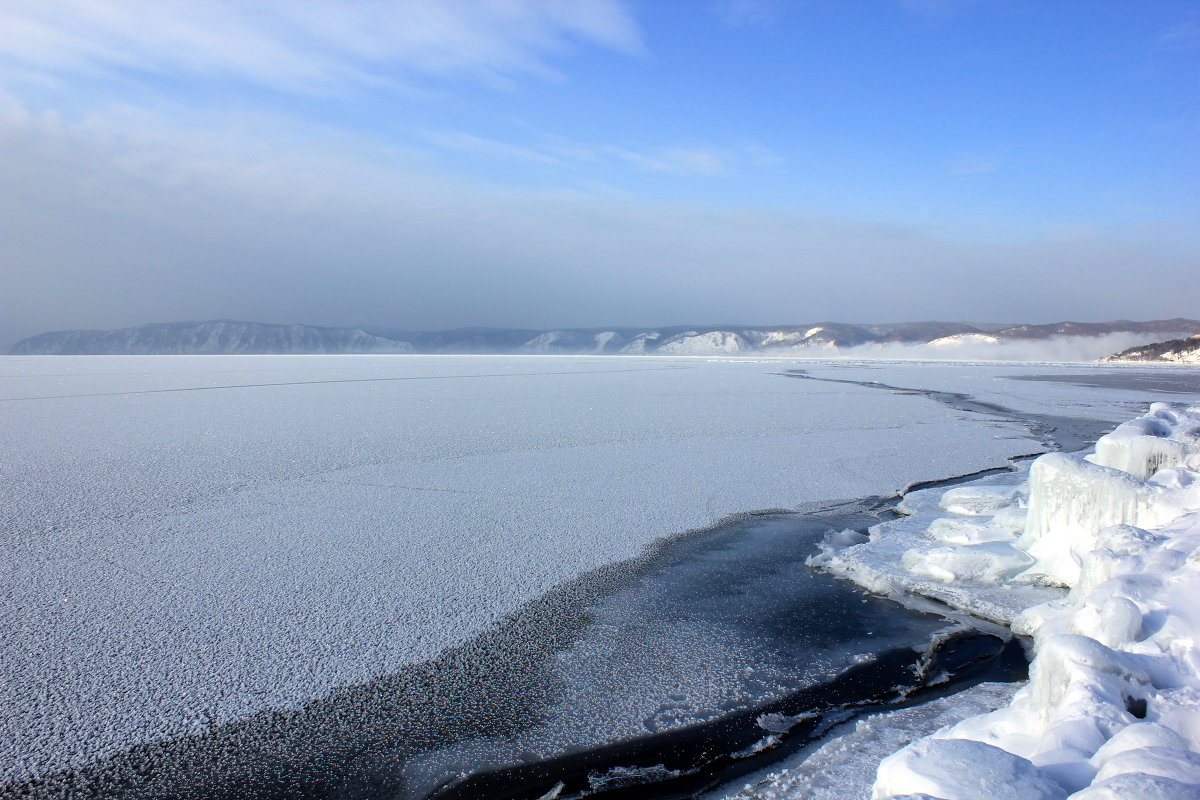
{"type": "Point", "coordinates": [342, 380]}
{"type": "Point", "coordinates": [958, 401]}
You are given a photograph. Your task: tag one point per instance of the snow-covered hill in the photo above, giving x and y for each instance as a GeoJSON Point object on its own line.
{"type": "Point", "coordinates": [695, 343]}
{"type": "Point", "coordinates": [1174, 351]}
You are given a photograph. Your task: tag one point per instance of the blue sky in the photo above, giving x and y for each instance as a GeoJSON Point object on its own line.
{"type": "Point", "coordinates": [540, 163]}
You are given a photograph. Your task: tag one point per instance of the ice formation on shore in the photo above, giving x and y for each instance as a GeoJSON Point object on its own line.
{"type": "Point", "coordinates": [1112, 707]}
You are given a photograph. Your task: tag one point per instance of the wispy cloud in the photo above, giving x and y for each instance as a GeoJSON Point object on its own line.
{"type": "Point", "coordinates": [761, 156]}
{"type": "Point", "coordinates": [308, 45]}
{"type": "Point", "coordinates": [973, 164]}
{"type": "Point", "coordinates": [936, 9]}
{"type": "Point", "coordinates": [547, 148]}
{"type": "Point", "coordinates": [1183, 35]}
{"type": "Point", "coordinates": [680, 160]}
{"type": "Point", "coordinates": [465, 142]}
{"type": "Point", "coordinates": [748, 13]}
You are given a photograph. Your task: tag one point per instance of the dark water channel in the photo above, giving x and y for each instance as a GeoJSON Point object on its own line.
{"type": "Point", "coordinates": [724, 655]}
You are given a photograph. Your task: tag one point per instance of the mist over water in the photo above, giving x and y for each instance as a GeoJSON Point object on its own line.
{"type": "Point", "coordinates": [1057, 348]}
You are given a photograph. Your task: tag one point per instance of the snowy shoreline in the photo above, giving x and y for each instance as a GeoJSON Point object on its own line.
{"type": "Point", "coordinates": [1097, 558]}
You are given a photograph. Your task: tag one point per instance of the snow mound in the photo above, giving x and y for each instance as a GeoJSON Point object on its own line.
{"type": "Point", "coordinates": [950, 769]}
{"type": "Point", "coordinates": [1112, 707]}
{"type": "Point", "coordinates": [1141, 447]}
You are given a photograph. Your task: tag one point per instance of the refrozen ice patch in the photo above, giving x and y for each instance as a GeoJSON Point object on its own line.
{"type": "Point", "coordinates": [1112, 707]}
{"type": "Point", "coordinates": [620, 777]}
{"type": "Point", "coordinates": [763, 744]}
{"type": "Point", "coordinates": [782, 723]}
{"type": "Point", "coordinates": [977, 500]}
{"type": "Point", "coordinates": [984, 563]}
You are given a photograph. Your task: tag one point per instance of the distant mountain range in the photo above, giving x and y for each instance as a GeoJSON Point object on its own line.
{"type": "Point", "coordinates": [1173, 351]}
{"type": "Point", "coordinates": [208, 338]}
{"type": "Point", "coordinates": [823, 338]}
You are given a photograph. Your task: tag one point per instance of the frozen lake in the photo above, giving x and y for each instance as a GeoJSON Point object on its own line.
{"type": "Point", "coordinates": [191, 541]}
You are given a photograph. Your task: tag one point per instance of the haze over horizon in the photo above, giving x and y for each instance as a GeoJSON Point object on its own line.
{"type": "Point", "coordinates": [536, 164]}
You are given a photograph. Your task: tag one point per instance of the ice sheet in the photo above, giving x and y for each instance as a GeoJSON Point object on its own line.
{"type": "Point", "coordinates": [191, 540]}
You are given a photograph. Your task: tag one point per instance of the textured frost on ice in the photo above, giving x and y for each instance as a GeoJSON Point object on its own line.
{"type": "Point", "coordinates": [189, 541]}
{"type": "Point", "coordinates": [620, 777]}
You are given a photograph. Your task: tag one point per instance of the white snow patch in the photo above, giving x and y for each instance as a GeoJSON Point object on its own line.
{"type": "Point", "coordinates": [542, 343]}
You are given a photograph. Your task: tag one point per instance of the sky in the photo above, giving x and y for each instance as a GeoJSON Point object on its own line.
{"type": "Point", "coordinates": [428, 164]}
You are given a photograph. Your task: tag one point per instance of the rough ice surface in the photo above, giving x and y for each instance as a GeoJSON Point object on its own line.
{"type": "Point", "coordinates": [843, 766]}
{"type": "Point", "coordinates": [1147, 444]}
{"type": "Point", "coordinates": [1112, 707]}
{"type": "Point", "coordinates": [190, 540]}
{"type": "Point", "coordinates": [949, 548]}
{"type": "Point", "coordinates": [1072, 500]}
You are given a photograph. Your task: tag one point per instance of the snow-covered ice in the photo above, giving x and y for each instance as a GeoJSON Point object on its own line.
{"type": "Point", "coordinates": [1112, 707]}
{"type": "Point", "coordinates": [191, 540]}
